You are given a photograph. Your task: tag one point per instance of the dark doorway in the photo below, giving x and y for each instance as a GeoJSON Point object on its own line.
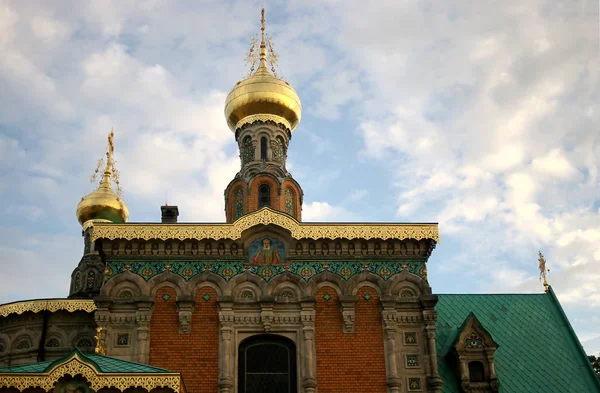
{"type": "Point", "coordinates": [267, 364]}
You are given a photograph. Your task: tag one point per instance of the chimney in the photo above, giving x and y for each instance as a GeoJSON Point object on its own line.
{"type": "Point", "coordinates": [169, 214]}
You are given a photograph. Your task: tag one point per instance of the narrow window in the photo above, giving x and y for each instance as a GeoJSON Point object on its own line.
{"type": "Point", "coordinates": [264, 196]}
{"type": "Point", "coordinates": [263, 148]}
{"type": "Point", "coordinates": [476, 372]}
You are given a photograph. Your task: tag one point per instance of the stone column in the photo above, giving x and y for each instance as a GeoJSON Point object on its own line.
{"type": "Point", "coordinates": [389, 317]}
{"type": "Point", "coordinates": [493, 377]}
{"type": "Point", "coordinates": [226, 350]}
{"type": "Point", "coordinates": [309, 351]}
{"type": "Point", "coordinates": [142, 319]}
{"type": "Point", "coordinates": [464, 373]}
{"type": "Point", "coordinates": [434, 382]}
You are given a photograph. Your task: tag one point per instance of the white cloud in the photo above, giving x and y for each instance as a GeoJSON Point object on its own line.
{"type": "Point", "coordinates": [324, 212]}
{"type": "Point", "coordinates": [554, 164]}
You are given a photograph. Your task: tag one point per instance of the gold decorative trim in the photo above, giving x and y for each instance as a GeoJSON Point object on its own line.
{"type": "Point", "coordinates": [52, 305]}
{"type": "Point", "coordinates": [265, 216]}
{"type": "Point", "coordinates": [263, 117]}
{"type": "Point", "coordinates": [97, 381]}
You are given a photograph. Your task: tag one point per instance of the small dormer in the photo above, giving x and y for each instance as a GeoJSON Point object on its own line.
{"type": "Point", "coordinates": [473, 353]}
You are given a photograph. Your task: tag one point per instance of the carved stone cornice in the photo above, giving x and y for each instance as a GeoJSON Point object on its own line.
{"type": "Point", "coordinates": [265, 216]}
{"type": "Point", "coordinates": [51, 305]}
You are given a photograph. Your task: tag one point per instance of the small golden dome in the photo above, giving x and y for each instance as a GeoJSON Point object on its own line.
{"type": "Point", "coordinates": [263, 96]}
{"type": "Point", "coordinates": [104, 204]}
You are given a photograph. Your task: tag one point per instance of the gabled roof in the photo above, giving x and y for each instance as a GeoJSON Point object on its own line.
{"type": "Point", "coordinates": [538, 350]}
{"type": "Point", "coordinates": [102, 364]}
{"type": "Point", "coordinates": [100, 371]}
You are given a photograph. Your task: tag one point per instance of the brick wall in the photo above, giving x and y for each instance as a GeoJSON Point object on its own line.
{"type": "Point", "coordinates": [349, 362]}
{"type": "Point", "coordinates": [251, 196]}
{"type": "Point", "coordinates": [195, 355]}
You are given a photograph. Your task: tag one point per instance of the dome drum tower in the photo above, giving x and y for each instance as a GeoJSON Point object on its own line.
{"type": "Point", "coordinates": [263, 110]}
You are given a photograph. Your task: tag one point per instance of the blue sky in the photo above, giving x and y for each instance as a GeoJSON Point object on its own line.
{"type": "Point", "coordinates": [481, 116]}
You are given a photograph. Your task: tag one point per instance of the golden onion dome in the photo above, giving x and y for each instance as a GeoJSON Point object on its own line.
{"type": "Point", "coordinates": [263, 96]}
{"type": "Point", "coordinates": [104, 204]}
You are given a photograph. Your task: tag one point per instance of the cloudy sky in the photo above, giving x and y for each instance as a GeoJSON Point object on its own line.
{"type": "Point", "coordinates": [482, 116]}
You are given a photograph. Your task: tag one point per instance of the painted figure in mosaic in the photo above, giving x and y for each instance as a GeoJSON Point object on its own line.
{"type": "Point", "coordinates": [267, 256]}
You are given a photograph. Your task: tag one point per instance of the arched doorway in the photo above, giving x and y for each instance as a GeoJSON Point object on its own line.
{"type": "Point", "coordinates": [267, 364]}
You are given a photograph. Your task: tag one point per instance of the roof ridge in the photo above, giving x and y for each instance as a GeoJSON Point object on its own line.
{"type": "Point", "coordinates": [574, 338]}
{"type": "Point", "coordinates": [491, 294]}
{"type": "Point", "coordinates": [95, 355]}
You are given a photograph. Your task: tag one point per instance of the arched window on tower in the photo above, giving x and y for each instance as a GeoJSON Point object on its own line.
{"type": "Point", "coordinates": [263, 148]}
{"type": "Point", "coordinates": [476, 372]}
{"type": "Point", "coordinates": [264, 196]}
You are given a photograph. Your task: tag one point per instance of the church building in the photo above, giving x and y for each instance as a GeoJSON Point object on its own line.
{"type": "Point", "coordinates": [267, 303]}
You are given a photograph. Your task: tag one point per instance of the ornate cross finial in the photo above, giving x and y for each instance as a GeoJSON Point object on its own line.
{"type": "Point", "coordinates": [543, 270]}
{"type": "Point", "coordinates": [110, 171]}
{"type": "Point", "coordinates": [100, 350]}
{"type": "Point", "coordinates": [262, 25]}
{"type": "Point", "coordinates": [265, 54]}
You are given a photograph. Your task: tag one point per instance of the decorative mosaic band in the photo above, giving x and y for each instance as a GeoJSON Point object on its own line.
{"type": "Point", "coordinates": [265, 216]}
{"type": "Point", "coordinates": [228, 270]}
{"type": "Point", "coordinates": [51, 305]}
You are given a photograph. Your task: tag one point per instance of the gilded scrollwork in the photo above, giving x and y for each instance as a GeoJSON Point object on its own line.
{"type": "Point", "coordinates": [76, 366]}
{"type": "Point", "coordinates": [265, 216]}
{"type": "Point", "coordinates": [51, 305]}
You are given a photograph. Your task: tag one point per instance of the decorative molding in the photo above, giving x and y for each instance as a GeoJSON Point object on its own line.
{"type": "Point", "coordinates": [265, 216]}
{"type": "Point", "coordinates": [76, 366]}
{"type": "Point", "coordinates": [228, 270]}
{"type": "Point", "coordinates": [264, 117]}
{"type": "Point", "coordinates": [51, 305]}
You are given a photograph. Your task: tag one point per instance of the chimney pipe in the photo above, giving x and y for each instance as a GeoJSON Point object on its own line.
{"type": "Point", "coordinates": [169, 214]}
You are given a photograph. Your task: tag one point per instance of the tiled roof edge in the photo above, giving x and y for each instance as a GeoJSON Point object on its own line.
{"type": "Point", "coordinates": [147, 366]}
{"type": "Point", "coordinates": [574, 337]}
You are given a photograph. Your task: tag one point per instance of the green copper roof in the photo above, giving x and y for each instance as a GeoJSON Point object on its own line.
{"type": "Point", "coordinates": [26, 368]}
{"type": "Point", "coordinates": [538, 350]}
{"type": "Point", "coordinates": [102, 364]}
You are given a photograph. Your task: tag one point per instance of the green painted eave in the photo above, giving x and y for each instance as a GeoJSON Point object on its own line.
{"type": "Point", "coordinates": [538, 350]}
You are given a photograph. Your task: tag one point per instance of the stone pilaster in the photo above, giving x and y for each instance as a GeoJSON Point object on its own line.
{"type": "Point", "coordinates": [226, 347]}
{"type": "Point", "coordinates": [390, 326]}
{"type": "Point", "coordinates": [307, 318]}
{"type": "Point", "coordinates": [142, 319]}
